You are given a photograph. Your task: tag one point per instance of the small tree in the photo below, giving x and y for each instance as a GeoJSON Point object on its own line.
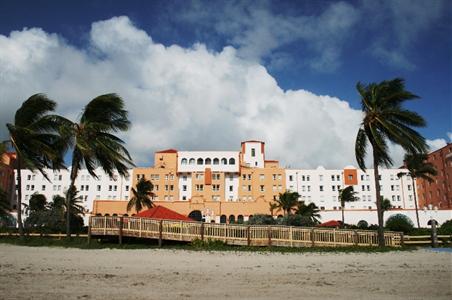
{"type": "Point", "coordinates": [260, 219]}
{"type": "Point", "coordinates": [400, 222]}
{"type": "Point", "coordinates": [273, 207]}
{"type": "Point", "coordinates": [310, 211]}
{"type": "Point", "coordinates": [287, 201]}
{"type": "Point", "coordinates": [345, 196]}
{"type": "Point", "coordinates": [141, 196]}
{"type": "Point", "coordinates": [362, 224]}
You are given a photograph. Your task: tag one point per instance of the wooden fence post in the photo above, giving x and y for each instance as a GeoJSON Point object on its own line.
{"type": "Point", "coordinates": [105, 225]}
{"type": "Point", "coordinates": [121, 222]}
{"type": "Point", "coordinates": [402, 239]}
{"type": "Point", "coordinates": [334, 237]}
{"type": "Point", "coordinates": [89, 229]}
{"type": "Point", "coordinates": [291, 236]}
{"type": "Point", "coordinates": [139, 232]}
{"type": "Point", "coordinates": [312, 238]}
{"type": "Point", "coordinates": [202, 231]}
{"type": "Point", "coordinates": [269, 233]}
{"type": "Point", "coordinates": [248, 235]}
{"type": "Point", "coordinates": [160, 233]}
{"type": "Point", "coordinates": [356, 237]}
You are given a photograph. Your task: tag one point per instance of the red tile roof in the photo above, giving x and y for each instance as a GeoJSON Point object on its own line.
{"type": "Point", "coordinates": [167, 151]}
{"type": "Point", "coordinates": [332, 223]}
{"type": "Point", "coordinates": [161, 212]}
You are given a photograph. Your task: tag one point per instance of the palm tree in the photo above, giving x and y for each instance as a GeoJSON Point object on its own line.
{"type": "Point", "coordinates": [93, 142]}
{"type": "Point", "coordinates": [287, 201]}
{"type": "Point", "coordinates": [273, 206]}
{"type": "Point", "coordinates": [418, 167]}
{"type": "Point", "coordinates": [75, 202]}
{"type": "Point", "coordinates": [141, 196]}
{"type": "Point", "coordinates": [385, 204]}
{"type": "Point", "coordinates": [386, 120]}
{"type": "Point", "coordinates": [35, 140]}
{"type": "Point", "coordinates": [310, 211]}
{"type": "Point", "coordinates": [345, 196]}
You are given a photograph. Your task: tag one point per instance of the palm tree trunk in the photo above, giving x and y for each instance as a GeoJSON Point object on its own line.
{"type": "Point", "coordinates": [381, 237]}
{"type": "Point", "coordinates": [415, 203]}
{"type": "Point", "coordinates": [342, 208]}
{"type": "Point", "coordinates": [19, 197]}
{"type": "Point", "coordinates": [74, 173]}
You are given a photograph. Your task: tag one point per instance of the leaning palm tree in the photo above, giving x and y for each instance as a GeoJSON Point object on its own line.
{"type": "Point", "coordinates": [93, 142]}
{"type": "Point", "coordinates": [345, 196]}
{"type": "Point", "coordinates": [34, 137]}
{"type": "Point", "coordinates": [385, 119]}
{"type": "Point", "coordinates": [141, 196]}
{"type": "Point", "coordinates": [311, 211]}
{"type": "Point", "coordinates": [418, 167]}
{"type": "Point", "coordinates": [287, 201]}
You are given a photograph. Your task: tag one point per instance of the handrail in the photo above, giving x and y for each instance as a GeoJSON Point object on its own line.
{"type": "Point", "coordinates": [236, 234]}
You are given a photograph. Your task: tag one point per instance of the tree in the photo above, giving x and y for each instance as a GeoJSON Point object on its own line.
{"type": "Point", "coordinates": [37, 211]}
{"type": "Point", "coordinates": [35, 140]}
{"type": "Point", "coordinates": [384, 120]}
{"type": "Point", "coordinates": [400, 222]}
{"type": "Point", "coordinates": [93, 143]}
{"type": "Point", "coordinates": [4, 205]}
{"type": "Point", "coordinates": [287, 201]}
{"type": "Point", "coordinates": [141, 196]}
{"type": "Point", "coordinates": [345, 196]}
{"type": "Point", "coordinates": [418, 167]}
{"type": "Point", "coordinates": [385, 204]}
{"type": "Point", "coordinates": [273, 206]}
{"type": "Point", "coordinates": [311, 211]}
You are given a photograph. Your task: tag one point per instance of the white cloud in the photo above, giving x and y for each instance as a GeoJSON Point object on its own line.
{"type": "Point", "coordinates": [184, 98]}
{"type": "Point", "coordinates": [258, 32]}
{"type": "Point", "coordinates": [436, 144]}
{"type": "Point", "coordinates": [449, 135]}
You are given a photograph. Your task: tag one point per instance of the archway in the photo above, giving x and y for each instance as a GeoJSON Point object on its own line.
{"type": "Point", "coordinates": [240, 219]}
{"type": "Point", "coordinates": [223, 219]}
{"type": "Point", "coordinates": [195, 215]}
{"type": "Point", "coordinates": [231, 219]}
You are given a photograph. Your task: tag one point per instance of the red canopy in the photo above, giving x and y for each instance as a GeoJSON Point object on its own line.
{"type": "Point", "coordinates": [161, 212]}
{"type": "Point", "coordinates": [331, 223]}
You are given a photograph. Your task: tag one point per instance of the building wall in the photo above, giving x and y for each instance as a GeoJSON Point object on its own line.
{"type": "Point", "coordinates": [88, 187]}
{"type": "Point", "coordinates": [439, 192]}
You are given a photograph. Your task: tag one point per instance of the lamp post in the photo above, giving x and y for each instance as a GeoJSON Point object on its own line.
{"type": "Point", "coordinates": [430, 210]}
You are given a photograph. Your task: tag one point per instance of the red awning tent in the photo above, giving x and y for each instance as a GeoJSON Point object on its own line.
{"type": "Point", "coordinates": [331, 223]}
{"type": "Point", "coordinates": [163, 213]}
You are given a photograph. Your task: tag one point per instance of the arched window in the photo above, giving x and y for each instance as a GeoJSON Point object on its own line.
{"type": "Point", "coordinates": [107, 215]}
{"type": "Point", "coordinates": [200, 161]}
{"type": "Point", "coordinates": [232, 161]}
{"type": "Point", "coordinates": [191, 161]}
{"type": "Point", "coordinates": [231, 219]}
{"type": "Point", "coordinates": [224, 161]}
{"type": "Point", "coordinates": [208, 161]}
{"type": "Point", "coordinates": [183, 161]}
{"type": "Point", "coordinates": [125, 215]}
{"type": "Point", "coordinates": [216, 161]}
{"type": "Point", "coordinates": [223, 219]}
{"type": "Point", "coordinates": [240, 219]}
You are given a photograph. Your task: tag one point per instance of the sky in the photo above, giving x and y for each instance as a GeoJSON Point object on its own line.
{"type": "Point", "coordinates": [206, 75]}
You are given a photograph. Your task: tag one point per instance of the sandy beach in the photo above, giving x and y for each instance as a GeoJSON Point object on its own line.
{"type": "Point", "coordinates": [57, 273]}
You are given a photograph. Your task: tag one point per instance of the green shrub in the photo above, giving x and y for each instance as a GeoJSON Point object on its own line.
{"type": "Point", "coordinates": [296, 220]}
{"type": "Point", "coordinates": [399, 222]}
{"type": "Point", "coordinates": [446, 227]}
{"type": "Point", "coordinates": [362, 224]}
{"type": "Point", "coordinates": [261, 219]}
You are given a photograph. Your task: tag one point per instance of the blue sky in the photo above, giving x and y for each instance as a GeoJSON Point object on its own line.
{"type": "Point", "coordinates": [323, 47]}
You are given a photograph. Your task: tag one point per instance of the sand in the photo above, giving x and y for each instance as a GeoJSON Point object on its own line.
{"type": "Point", "coordinates": [57, 273]}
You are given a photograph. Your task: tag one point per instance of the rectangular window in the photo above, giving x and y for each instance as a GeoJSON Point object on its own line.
{"type": "Point", "coordinates": [32, 187]}
{"type": "Point", "coordinates": [309, 188]}
{"type": "Point", "coordinates": [321, 188]}
{"type": "Point", "coordinates": [303, 178]}
{"type": "Point", "coordinates": [249, 176]}
{"type": "Point", "coordinates": [166, 177]}
{"type": "Point", "coordinates": [110, 188]}
{"type": "Point", "coordinates": [244, 176]}
{"type": "Point", "coordinates": [127, 188]}
{"type": "Point", "coordinates": [171, 187]}
{"type": "Point", "coordinates": [333, 188]}
{"type": "Point", "coordinates": [171, 177]}
{"type": "Point", "coordinates": [363, 188]}
{"type": "Point", "coordinates": [184, 178]}
{"type": "Point", "coordinates": [392, 188]}
{"type": "Point", "coordinates": [409, 187]}
{"type": "Point", "coordinates": [303, 188]}
{"type": "Point", "coordinates": [82, 187]}
{"type": "Point", "coordinates": [262, 188]}
{"type": "Point", "coordinates": [184, 197]}
{"type": "Point", "coordinates": [98, 188]}
{"type": "Point", "coordinates": [261, 177]}
{"type": "Point", "coordinates": [156, 187]}
{"type": "Point", "coordinates": [253, 152]}
{"type": "Point", "coordinates": [362, 177]}
{"type": "Point", "coordinates": [200, 187]}
{"type": "Point", "coordinates": [184, 188]}
{"type": "Point", "coordinates": [279, 187]}
{"type": "Point", "coordinates": [290, 178]}
{"type": "Point", "coordinates": [115, 188]}
{"type": "Point", "coordinates": [368, 188]}
{"type": "Point", "coordinates": [308, 178]}
{"type": "Point", "coordinates": [249, 188]}
{"type": "Point", "coordinates": [43, 188]}
{"type": "Point", "coordinates": [338, 177]}
{"type": "Point", "coordinates": [231, 188]}
{"type": "Point", "coordinates": [279, 177]}
{"type": "Point", "coordinates": [274, 176]}
{"type": "Point", "coordinates": [86, 187]}
{"type": "Point", "coordinates": [320, 177]}
{"type": "Point", "coordinates": [166, 187]}
{"type": "Point", "coordinates": [215, 187]}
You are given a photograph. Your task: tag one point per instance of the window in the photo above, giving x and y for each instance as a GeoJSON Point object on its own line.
{"type": "Point", "coordinates": [363, 188]}
{"type": "Point", "coordinates": [362, 177]}
{"type": "Point", "coordinates": [184, 188]}
{"type": "Point", "coordinates": [59, 188]}
{"type": "Point", "coordinates": [333, 188]}
{"type": "Point", "coordinates": [156, 187]}
{"type": "Point", "coordinates": [368, 188]}
{"type": "Point", "coordinates": [82, 188]}
{"type": "Point", "coordinates": [279, 187]}
{"type": "Point", "coordinates": [43, 188]}
{"type": "Point", "coordinates": [303, 178]}
{"type": "Point", "coordinates": [191, 161]}
{"type": "Point", "coordinates": [98, 188]}
{"type": "Point", "coordinates": [215, 187]}
{"type": "Point", "coordinates": [166, 177]}
{"type": "Point", "coordinates": [224, 161]}
{"type": "Point", "coordinates": [208, 161]}
{"type": "Point", "coordinates": [321, 188]}
{"type": "Point", "coordinates": [249, 188]}
{"type": "Point", "coordinates": [231, 188]}
{"type": "Point", "coordinates": [184, 178]}
{"type": "Point", "coordinates": [200, 161]}
{"type": "Point", "coordinates": [184, 197]}
{"type": "Point", "coordinates": [171, 187]}
{"type": "Point", "coordinates": [274, 176]}
{"type": "Point", "coordinates": [28, 177]}
{"type": "Point", "coordinates": [110, 188]}
{"type": "Point", "coordinates": [249, 176]}
{"type": "Point", "coordinates": [398, 198]}
{"type": "Point", "coordinates": [244, 176]}
{"type": "Point", "coordinates": [166, 187]}
{"type": "Point", "coordinates": [115, 188]}
{"type": "Point", "coordinates": [321, 177]}
{"type": "Point", "coordinates": [253, 152]}
{"type": "Point", "coordinates": [392, 188]}
{"type": "Point", "coordinates": [309, 189]}
{"type": "Point", "coordinates": [350, 177]}
{"type": "Point", "coordinates": [216, 176]}
{"type": "Point", "coordinates": [232, 161]}
{"type": "Point", "coordinates": [171, 177]}
{"type": "Point", "coordinates": [308, 178]}
{"type": "Point", "coordinates": [409, 187]}
{"type": "Point", "coordinates": [290, 177]}
{"type": "Point", "coordinates": [200, 187]}
{"type": "Point", "coordinates": [216, 161]}
{"type": "Point", "coordinates": [303, 188]}
{"type": "Point", "coordinates": [199, 176]}
{"type": "Point", "coordinates": [393, 198]}
{"type": "Point", "coordinates": [183, 161]}
{"type": "Point", "coordinates": [54, 187]}
{"type": "Point", "coordinates": [28, 187]}
{"type": "Point", "coordinates": [274, 188]}
{"type": "Point", "coordinates": [262, 188]}
{"type": "Point", "coordinates": [338, 177]}
{"type": "Point", "coordinates": [261, 177]}
{"type": "Point", "coordinates": [392, 177]}
{"type": "Point", "coordinates": [127, 188]}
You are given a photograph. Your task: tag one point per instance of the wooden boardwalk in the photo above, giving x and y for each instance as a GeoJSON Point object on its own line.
{"type": "Point", "coordinates": [250, 235]}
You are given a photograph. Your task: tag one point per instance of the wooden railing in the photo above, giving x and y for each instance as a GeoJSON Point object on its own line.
{"type": "Point", "coordinates": [251, 235]}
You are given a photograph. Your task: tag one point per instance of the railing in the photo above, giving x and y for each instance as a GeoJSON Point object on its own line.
{"type": "Point", "coordinates": [426, 239]}
{"type": "Point", "coordinates": [251, 235]}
